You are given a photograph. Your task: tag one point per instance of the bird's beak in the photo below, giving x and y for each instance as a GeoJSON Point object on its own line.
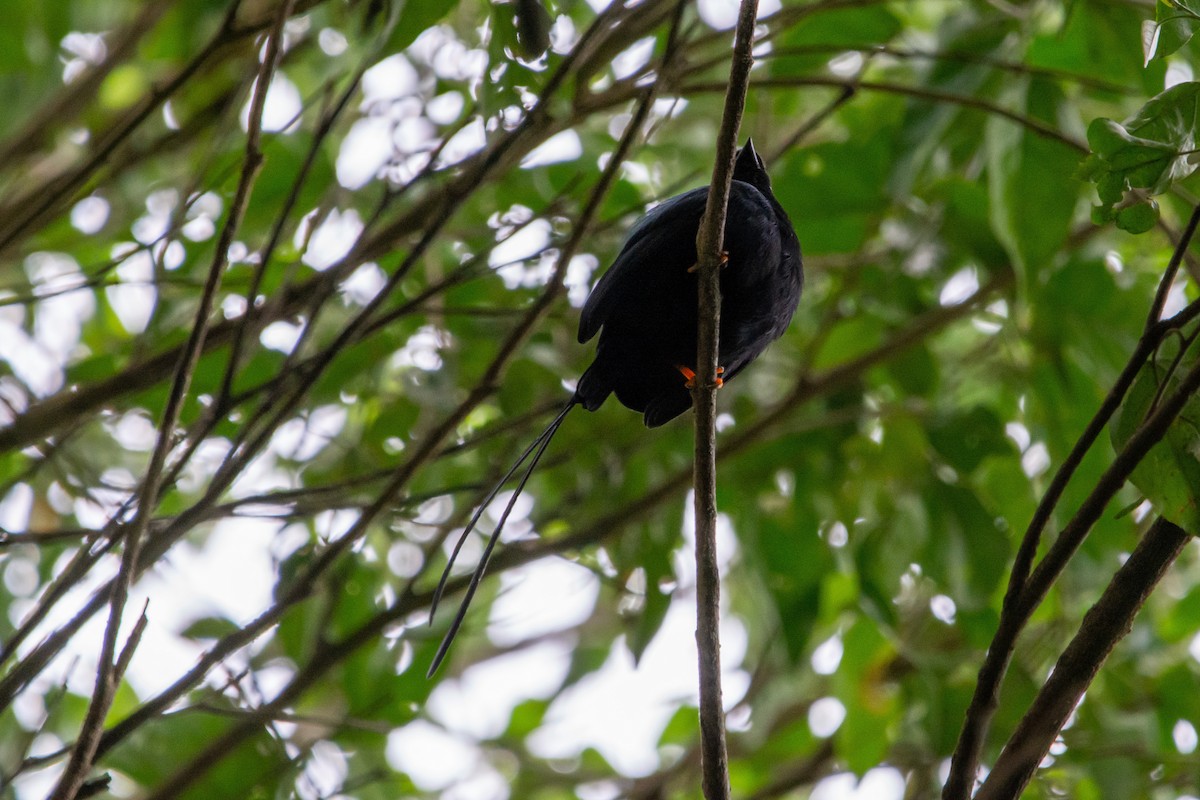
{"type": "Point", "coordinates": [749, 148]}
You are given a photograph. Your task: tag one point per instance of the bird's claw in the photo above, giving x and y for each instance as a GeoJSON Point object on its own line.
{"type": "Point", "coordinates": [724, 261]}
{"type": "Point", "coordinates": [690, 376]}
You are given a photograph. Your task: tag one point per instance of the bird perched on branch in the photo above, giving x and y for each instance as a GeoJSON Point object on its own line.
{"type": "Point", "coordinates": [645, 309]}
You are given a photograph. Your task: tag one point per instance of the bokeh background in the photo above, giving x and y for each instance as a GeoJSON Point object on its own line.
{"type": "Point", "coordinates": [395, 321]}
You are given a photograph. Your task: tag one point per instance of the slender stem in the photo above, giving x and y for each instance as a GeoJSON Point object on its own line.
{"type": "Point", "coordinates": [709, 242]}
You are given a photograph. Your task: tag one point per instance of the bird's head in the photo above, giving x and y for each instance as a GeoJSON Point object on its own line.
{"type": "Point", "coordinates": [749, 168]}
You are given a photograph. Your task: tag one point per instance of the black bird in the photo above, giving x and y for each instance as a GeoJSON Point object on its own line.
{"type": "Point", "coordinates": [645, 310]}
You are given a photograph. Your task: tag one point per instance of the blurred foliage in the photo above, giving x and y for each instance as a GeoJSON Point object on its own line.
{"type": "Point", "coordinates": [965, 314]}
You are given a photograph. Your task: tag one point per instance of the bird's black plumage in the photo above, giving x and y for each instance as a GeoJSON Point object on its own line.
{"type": "Point", "coordinates": [645, 306]}
{"type": "Point", "coordinates": [645, 309]}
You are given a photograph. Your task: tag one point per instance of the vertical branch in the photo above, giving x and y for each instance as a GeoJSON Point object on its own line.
{"type": "Point", "coordinates": [113, 662]}
{"type": "Point", "coordinates": [709, 243]}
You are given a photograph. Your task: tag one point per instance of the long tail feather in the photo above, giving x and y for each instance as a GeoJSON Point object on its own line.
{"type": "Point", "coordinates": [536, 449]}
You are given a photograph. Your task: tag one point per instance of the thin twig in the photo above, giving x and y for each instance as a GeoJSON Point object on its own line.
{"type": "Point", "coordinates": [267, 254]}
{"type": "Point", "coordinates": [709, 244]}
{"type": "Point", "coordinates": [600, 530]}
{"type": "Point", "coordinates": [586, 218]}
{"type": "Point", "coordinates": [1135, 449]}
{"type": "Point", "coordinates": [32, 207]}
{"type": "Point", "coordinates": [1000, 64]}
{"type": "Point", "coordinates": [813, 122]}
{"type": "Point", "coordinates": [70, 99]}
{"type": "Point", "coordinates": [40, 419]}
{"type": "Point", "coordinates": [1168, 278]}
{"type": "Point", "coordinates": [108, 674]}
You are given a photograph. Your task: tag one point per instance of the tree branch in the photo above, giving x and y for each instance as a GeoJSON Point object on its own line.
{"type": "Point", "coordinates": [919, 92]}
{"type": "Point", "coordinates": [599, 531]}
{"type": "Point", "coordinates": [428, 216]}
{"type": "Point", "coordinates": [72, 97]}
{"type": "Point", "coordinates": [43, 418]}
{"type": "Point", "coordinates": [1019, 600]}
{"type": "Point", "coordinates": [1108, 621]}
{"type": "Point", "coordinates": [113, 663]}
{"type": "Point", "coordinates": [709, 244]}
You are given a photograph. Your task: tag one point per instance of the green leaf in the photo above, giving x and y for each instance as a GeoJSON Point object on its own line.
{"type": "Point", "coordinates": [966, 439]}
{"type": "Point", "coordinates": [123, 87]}
{"type": "Point", "coordinates": [1027, 173]}
{"type": "Point", "coordinates": [526, 718]}
{"type": "Point", "coordinates": [816, 39]}
{"type": "Point", "coordinates": [1097, 42]}
{"type": "Point", "coordinates": [651, 552]}
{"type": "Point", "coordinates": [1138, 218]}
{"type": "Point", "coordinates": [834, 193]}
{"type": "Point", "coordinates": [850, 339]}
{"type": "Point", "coordinates": [794, 561]}
{"type": "Point", "coordinates": [928, 125]}
{"type": "Point", "coordinates": [416, 16]}
{"type": "Point", "coordinates": [967, 223]}
{"type": "Point", "coordinates": [1169, 475]}
{"type": "Point", "coordinates": [1175, 22]}
{"type": "Point", "coordinates": [870, 700]}
{"type": "Point", "coordinates": [681, 729]}
{"type": "Point", "coordinates": [585, 660]}
{"type": "Point", "coordinates": [154, 752]}
{"type": "Point", "coordinates": [1178, 623]}
{"type": "Point", "coordinates": [1145, 156]}
{"type": "Point", "coordinates": [209, 628]}
{"type": "Point", "coordinates": [371, 688]}
{"type": "Point", "coordinates": [966, 556]}
{"type": "Point", "coordinates": [916, 371]}
{"type": "Point", "coordinates": [650, 619]}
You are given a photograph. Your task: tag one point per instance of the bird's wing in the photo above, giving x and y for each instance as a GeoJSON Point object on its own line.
{"type": "Point", "coordinates": [655, 241]}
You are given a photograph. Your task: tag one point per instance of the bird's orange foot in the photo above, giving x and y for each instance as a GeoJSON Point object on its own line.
{"type": "Point", "coordinates": [724, 261]}
{"type": "Point", "coordinates": [690, 376]}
